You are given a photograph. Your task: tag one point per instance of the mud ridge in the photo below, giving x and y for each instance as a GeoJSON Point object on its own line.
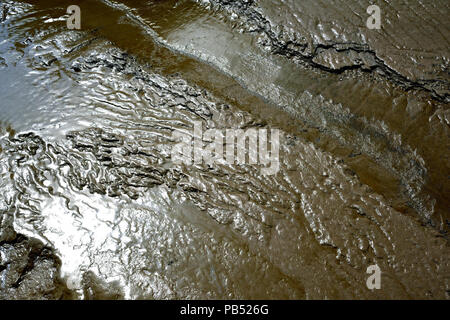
{"type": "Point", "coordinates": [367, 61]}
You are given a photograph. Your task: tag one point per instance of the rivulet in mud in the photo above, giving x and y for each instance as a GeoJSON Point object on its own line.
{"type": "Point", "coordinates": [93, 207]}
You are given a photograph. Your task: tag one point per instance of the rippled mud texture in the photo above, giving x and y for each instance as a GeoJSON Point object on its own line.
{"type": "Point", "coordinates": [411, 48]}
{"type": "Point", "coordinates": [93, 208]}
{"type": "Point", "coordinates": [379, 121]}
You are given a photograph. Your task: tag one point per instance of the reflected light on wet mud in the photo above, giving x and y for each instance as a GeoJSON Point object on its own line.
{"type": "Point", "coordinates": [93, 207]}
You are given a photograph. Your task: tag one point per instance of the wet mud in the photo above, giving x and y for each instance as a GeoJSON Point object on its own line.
{"type": "Point", "coordinates": [93, 206]}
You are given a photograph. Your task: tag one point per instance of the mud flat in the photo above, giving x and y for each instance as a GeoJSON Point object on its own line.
{"type": "Point", "coordinates": [93, 207]}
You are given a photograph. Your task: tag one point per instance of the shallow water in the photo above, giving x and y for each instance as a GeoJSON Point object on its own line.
{"type": "Point", "coordinates": [90, 190]}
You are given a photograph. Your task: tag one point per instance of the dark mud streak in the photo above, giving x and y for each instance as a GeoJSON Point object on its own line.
{"type": "Point", "coordinates": [37, 263]}
{"type": "Point", "coordinates": [4, 12]}
{"type": "Point", "coordinates": [245, 10]}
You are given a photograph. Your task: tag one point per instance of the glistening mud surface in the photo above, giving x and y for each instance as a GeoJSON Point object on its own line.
{"type": "Point", "coordinates": [93, 207]}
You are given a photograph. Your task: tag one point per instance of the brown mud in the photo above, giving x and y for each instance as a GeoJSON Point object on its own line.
{"type": "Point", "coordinates": [92, 206]}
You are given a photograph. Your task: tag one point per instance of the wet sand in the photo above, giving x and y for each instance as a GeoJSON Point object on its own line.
{"type": "Point", "coordinates": [93, 207]}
